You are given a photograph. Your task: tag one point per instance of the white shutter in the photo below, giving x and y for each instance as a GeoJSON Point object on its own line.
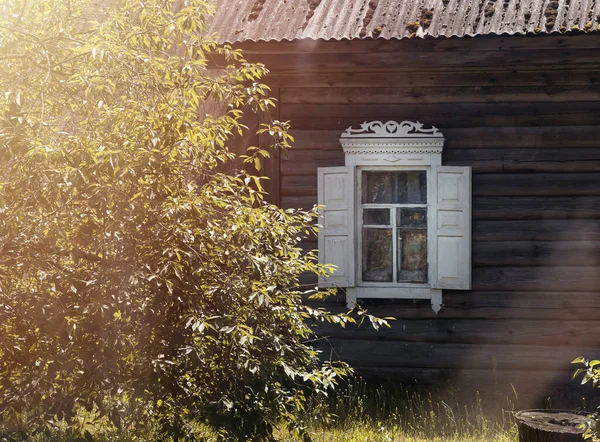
{"type": "Point", "coordinates": [336, 236]}
{"type": "Point", "coordinates": [451, 231]}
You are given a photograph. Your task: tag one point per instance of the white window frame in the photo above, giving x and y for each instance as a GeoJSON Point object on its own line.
{"type": "Point", "coordinates": [397, 146]}
{"type": "Point", "coordinates": [359, 224]}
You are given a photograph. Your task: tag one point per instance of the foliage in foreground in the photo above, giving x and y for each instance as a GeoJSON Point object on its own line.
{"type": "Point", "coordinates": [382, 414]}
{"type": "Point", "coordinates": [590, 373]}
{"type": "Point", "coordinates": [142, 276]}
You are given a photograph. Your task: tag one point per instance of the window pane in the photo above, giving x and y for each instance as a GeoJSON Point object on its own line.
{"type": "Point", "coordinates": [411, 218]}
{"type": "Point", "coordinates": [417, 193]}
{"type": "Point", "coordinates": [401, 187]}
{"type": "Point", "coordinates": [377, 187]}
{"type": "Point", "coordinates": [414, 190]}
{"type": "Point", "coordinates": [377, 259]}
{"type": "Point", "coordinates": [412, 255]}
{"type": "Point", "coordinates": [376, 217]}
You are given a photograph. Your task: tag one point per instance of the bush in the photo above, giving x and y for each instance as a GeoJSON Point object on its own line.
{"type": "Point", "coordinates": [142, 275]}
{"type": "Point", "coordinates": [590, 373]}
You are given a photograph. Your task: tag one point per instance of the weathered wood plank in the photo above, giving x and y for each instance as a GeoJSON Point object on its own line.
{"type": "Point", "coordinates": [498, 118]}
{"type": "Point", "coordinates": [537, 230]}
{"type": "Point", "coordinates": [544, 137]}
{"type": "Point", "coordinates": [566, 160]}
{"type": "Point", "coordinates": [529, 207]}
{"type": "Point", "coordinates": [518, 160]}
{"type": "Point", "coordinates": [480, 43]}
{"type": "Point", "coordinates": [472, 331]}
{"type": "Point", "coordinates": [314, 140]}
{"type": "Point", "coordinates": [538, 184]}
{"type": "Point", "coordinates": [306, 162]}
{"type": "Point", "coordinates": [456, 77]}
{"type": "Point", "coordinates": [303, 185]}
{"type": "Point", "coordinates": [444, 355]}
{"type": "Point", "coordinates": [577, 306]}
{"type": "Point", "coordinates": [514, 388]}
{"type": "Point", "coordinates": [435, 111]}
{"type": "Point", "coordinates": [451, 94]}
{"type": "Point", "coordinates": [555, 184]}
{"type": "Point", "coordinates": [523, 137]}
{"type": "Point", "coordinates": [475, 379]}
{"type": "Point", "coordinates": [338, 117]}
{"type": "Point", "coordinates": [536, 253]}
{"type": "Point", "coordinates": [568, 279]}
{"type": "Point", "coordinates": [289, 62]}
{"type": "Point", "coordinates": [298, 202]}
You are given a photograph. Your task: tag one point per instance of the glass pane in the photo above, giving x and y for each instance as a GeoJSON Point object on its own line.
{"type": "Point", "coordinates": [377, 187]}
{"type": "Point", "coordinates": [412, 256]}
{"type": "Point", "coordinates": [401, 190]}
{"type": "Point", "coordinates": [376, 217]}
{"type": "Point", "coordinates": [401, 187]}
{"type": "Point", "coordinates": [411, 218]}
{"type": "Point", "coordinates": [417, 187]}
{"type": "Point", "coordinates": [377, 259]}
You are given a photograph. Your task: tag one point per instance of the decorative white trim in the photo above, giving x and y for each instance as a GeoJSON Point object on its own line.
{"type": "Point", "coordinates": [392, 157]}
{"type": "Point", "coordinates": [366, 292]}
{"type": "Point", "coordinates": [389, 148]}
{"type": "Point", "coordinates": [395, 146]}
{"type": "Point", "coordinates": [351, 298]}
{"type": "Point", "coordinates": [398, 145]}
{"type": "Point", "coordinates": [436, 300]}
{"type": "Point", "coordinates": [353, 294]}
{"type": "Point", "coordinates": [392, 129]}
{"type": "Point", "coordinates": [376, 140]}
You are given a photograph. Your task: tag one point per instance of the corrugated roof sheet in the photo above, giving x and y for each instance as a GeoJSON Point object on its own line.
{"type": "Point", "coordinates": [242, 20]}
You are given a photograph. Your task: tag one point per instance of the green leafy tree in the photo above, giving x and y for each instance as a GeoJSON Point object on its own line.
{"type": "Point", "coordinates": [590, 373]}
{"type": "Point", "coordinates": [142, 274]}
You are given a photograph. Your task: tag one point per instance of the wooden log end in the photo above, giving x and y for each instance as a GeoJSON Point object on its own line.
{"type": "Point", "coordinates": [550, 426]}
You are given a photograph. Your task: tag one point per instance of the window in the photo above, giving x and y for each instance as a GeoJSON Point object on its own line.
{"type": "Point", "coordinates": [396, 223]}
{"type": "Point", "coordinates": [393, 238]}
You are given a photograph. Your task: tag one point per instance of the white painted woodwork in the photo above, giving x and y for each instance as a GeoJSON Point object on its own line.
{"type": "Point", "coordinates": [392, 129]}
{"type": "Point", "coordinates": [436, 300]}
{"type": "Point", "coordinates": [336, 236]}
{"type": "Point", "coordinates": [358, 236]}
{"type": "Point", "coordinates": [396, 146]}
{"type": "Point", "coordinates": [351, 298]}
{"type": "Point", "coordinates": [451, 260]}
{"type": "Point", "coordinates": [392, 144]}
{"type": "Point", "coordinates": [398, 292]}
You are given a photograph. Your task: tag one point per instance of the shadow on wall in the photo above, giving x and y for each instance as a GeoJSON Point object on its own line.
{"type": "Point", "coordinates": [504, 336]}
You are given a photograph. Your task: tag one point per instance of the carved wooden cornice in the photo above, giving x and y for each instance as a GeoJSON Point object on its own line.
{"type": "Point", "coordinates": [392, 129]}
{"type": "Point", "coordinates": [391, 137]}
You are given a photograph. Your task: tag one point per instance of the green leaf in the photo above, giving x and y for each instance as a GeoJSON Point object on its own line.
{"type": "Point", "coordinates": [132, 234]}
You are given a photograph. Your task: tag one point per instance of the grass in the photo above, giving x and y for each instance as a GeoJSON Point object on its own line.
{"type": "Point", "coordinates": [383, 434]}
{"type": "Point", "coordinates": [389, 413]}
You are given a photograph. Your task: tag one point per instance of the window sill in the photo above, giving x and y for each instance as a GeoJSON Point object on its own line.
{"type": "Point", "coordinates": [418, 292]}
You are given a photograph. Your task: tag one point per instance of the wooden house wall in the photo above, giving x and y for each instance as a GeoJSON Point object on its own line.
{"type": "Point", "coordinates": [524, 113]}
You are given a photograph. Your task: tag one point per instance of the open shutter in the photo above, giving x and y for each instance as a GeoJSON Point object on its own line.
{"type": "Point", "coordinates": [451, 266]}
{"type": "Point", "coordinates": [336, 236]}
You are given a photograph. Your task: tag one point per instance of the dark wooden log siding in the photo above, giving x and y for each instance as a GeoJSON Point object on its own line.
{"type": "Point", "coordinates": [524, 113]}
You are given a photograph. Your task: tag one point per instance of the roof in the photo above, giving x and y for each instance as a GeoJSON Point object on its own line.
{"type": "Point", "coordinates": [255, 20]}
